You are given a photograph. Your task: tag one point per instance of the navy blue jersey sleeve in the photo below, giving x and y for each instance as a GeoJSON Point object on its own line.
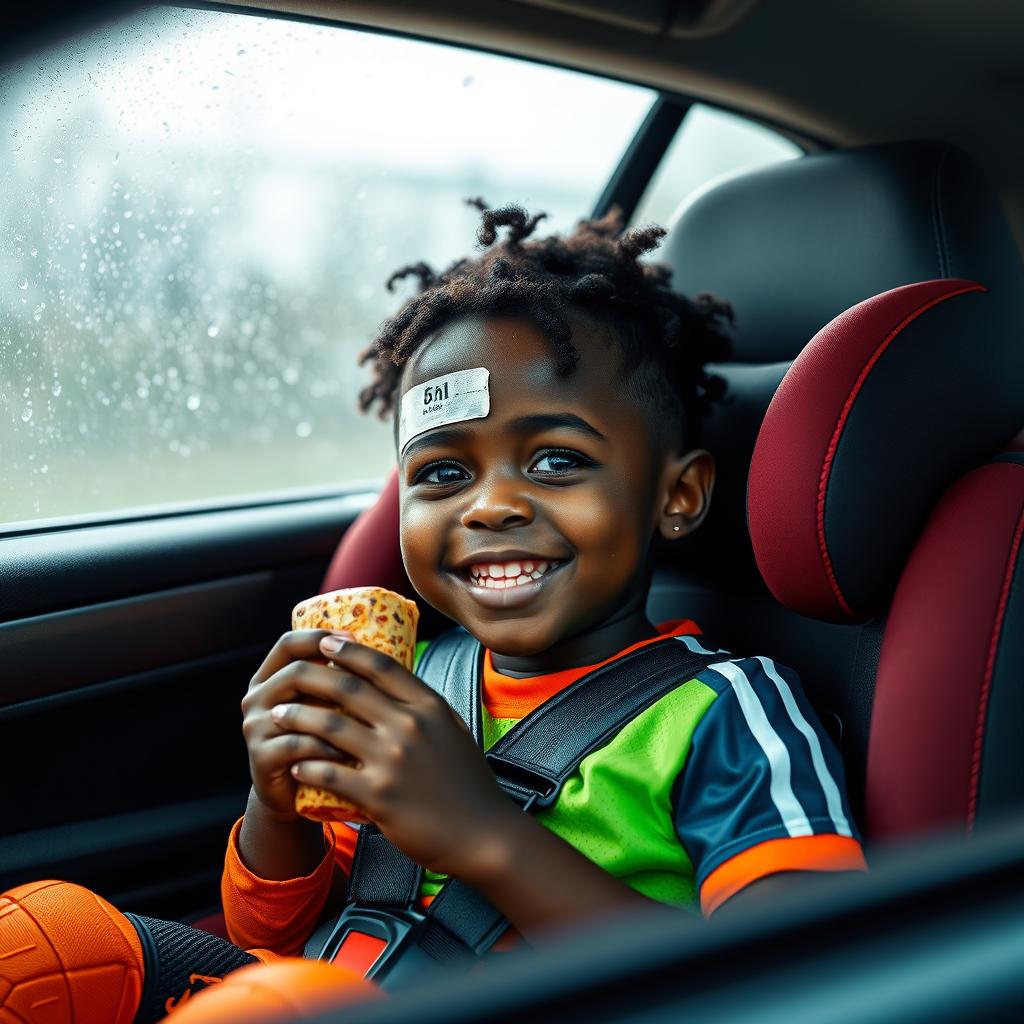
{"type": "Point", "coordinates": [761, 767]}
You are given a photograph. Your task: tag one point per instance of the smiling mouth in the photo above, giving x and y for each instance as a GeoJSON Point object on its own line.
{"type": "Point", "coordinates": [506, 585]}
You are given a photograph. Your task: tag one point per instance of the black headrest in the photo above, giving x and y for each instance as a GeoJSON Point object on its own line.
{"type": "Point", "coordinates": [793, 245]}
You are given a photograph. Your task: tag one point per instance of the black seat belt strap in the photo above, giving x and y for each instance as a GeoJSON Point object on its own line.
{"type": "Point", "coordinates": [452, 665]}
{"type": "Point", "coordinates": [534, 759]}
{"type": "Point", "coordinates": [461, 924]}
{"type": "Point", "coordinates": [381, 874]}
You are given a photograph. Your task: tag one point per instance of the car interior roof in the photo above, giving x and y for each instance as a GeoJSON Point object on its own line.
{"type": "Point", "coordinates": [862, 71]}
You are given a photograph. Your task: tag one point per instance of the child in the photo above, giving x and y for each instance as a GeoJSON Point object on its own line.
{"type": "Point", "coordinates": [529, 506]}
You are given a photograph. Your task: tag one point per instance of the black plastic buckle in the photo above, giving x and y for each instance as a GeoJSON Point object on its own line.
{"type": "Point", "coordinates": [399, 929]}
{"type": "Point", "coordinates": [527, 787]}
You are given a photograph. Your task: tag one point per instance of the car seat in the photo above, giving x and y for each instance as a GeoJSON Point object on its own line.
{"type": "Point", "coordinates": [904, 626]}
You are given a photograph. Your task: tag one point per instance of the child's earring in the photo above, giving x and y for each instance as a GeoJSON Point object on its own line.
{"type": "Point", "coordinates": [675, 529]}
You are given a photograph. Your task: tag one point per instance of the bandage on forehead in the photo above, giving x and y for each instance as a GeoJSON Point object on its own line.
{"type": "Point", "coordinates": [450, 398]}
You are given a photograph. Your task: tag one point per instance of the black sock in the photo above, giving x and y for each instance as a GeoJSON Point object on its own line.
{"type": "Point", "coordinates": [179, 961]}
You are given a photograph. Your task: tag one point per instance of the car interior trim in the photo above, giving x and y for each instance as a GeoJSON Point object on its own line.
{"type": "Point", "coordinates": [631, 177]}
{"type": "Point", "coordinates": [100, 563]}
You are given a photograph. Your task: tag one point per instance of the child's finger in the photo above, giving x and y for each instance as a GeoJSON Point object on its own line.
{"type": "Point", "coordinates": [334, 686]}
{"type": "Point", "coordinates": [281, 752]}
{"type": "Point", "coordinates": [383, 671]}
{"type": "Point", "coordinates": [341, 779]}
{"type": "Point", "coordinates": [292, 646]}
{"type": "Point", "coordinates": [333, 727]}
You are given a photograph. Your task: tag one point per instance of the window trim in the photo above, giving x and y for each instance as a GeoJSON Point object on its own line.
{"type": "Point", "coordinates": [643, 156]}
{"type": "Point", "coordinates": [358, 491]}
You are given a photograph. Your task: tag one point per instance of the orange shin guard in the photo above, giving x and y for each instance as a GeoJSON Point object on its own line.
{"type": "Point", "coordinates": [66, 957]}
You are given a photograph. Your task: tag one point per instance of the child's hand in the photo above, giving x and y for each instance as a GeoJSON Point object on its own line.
{"type": "Point", "coordinates": [421, 778]}
{"type": "Point", "coordinates": [273, 748]}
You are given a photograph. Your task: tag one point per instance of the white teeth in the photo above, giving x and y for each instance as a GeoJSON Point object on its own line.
{"type": "Point", "coordinates": [500, 576]}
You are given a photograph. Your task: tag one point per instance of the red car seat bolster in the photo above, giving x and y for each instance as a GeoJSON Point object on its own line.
{"type": "Point", "coordinates": [369, 554]}
{"type": "Point", "coordinates": [880, 411]}
{"type": "Point", "coordinates": [948, 694]}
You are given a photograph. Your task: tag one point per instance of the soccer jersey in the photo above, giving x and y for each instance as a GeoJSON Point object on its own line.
{"type": "Point", "coordinates": [728, 778]}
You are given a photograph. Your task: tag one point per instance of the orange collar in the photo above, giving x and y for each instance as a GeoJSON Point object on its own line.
{"type": "Point", "coordinates": [509, 697]}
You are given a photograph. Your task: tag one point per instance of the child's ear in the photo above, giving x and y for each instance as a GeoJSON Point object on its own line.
{"type": "Point", "coordinates": [689, 481]}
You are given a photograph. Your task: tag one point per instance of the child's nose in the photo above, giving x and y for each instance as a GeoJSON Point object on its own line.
{"type": "Point", "coordinates": [498, 503]}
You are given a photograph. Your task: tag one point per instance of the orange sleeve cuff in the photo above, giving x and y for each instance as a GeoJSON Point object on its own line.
{"type": "Point", "coordinates": [827, 852]}
{"type": "Point", "coordinates": [270, 914]}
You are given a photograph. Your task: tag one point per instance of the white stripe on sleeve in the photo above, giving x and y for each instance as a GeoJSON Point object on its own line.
{"type": "Point", "coordinates": [828, 783]}
{"type": "Point", "coordinates": [794, 819]}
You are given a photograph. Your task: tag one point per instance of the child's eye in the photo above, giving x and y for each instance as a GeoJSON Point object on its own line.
{"type": "Point", "coordinates": [440, 473]}
{"type": "Point", "coordinates": [561, 460]}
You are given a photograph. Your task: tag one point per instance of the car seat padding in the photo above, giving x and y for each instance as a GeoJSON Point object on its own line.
{"type": "Point", "coordinates": [884, 407]}
{"type": "Point", "coordinates": [945, 733]}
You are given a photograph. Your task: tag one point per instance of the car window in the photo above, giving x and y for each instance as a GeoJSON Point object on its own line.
{"type": "Point", "coordinates": [709, 144]}
{"type": "Point", "coordinates": [199, 210]}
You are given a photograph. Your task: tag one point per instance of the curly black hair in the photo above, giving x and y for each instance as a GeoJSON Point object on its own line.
{"type": "Point", "coordinates": [562, 284]}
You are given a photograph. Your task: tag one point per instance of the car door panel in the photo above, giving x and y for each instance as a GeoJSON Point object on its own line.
{"type": "Point", "coordinates": [123, 759]}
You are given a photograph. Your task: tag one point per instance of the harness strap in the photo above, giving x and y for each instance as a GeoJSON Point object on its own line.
{"type": "Point", "coordinates": [381, 874]}
{"type": "Point", "coordinates": [461, 924]}
{"type": "Point", "coordinates": [538, 754]}
{"type": "Point", "coordinates": [452, 666]}
{"type": "Point", "coordinates": [532, 762]}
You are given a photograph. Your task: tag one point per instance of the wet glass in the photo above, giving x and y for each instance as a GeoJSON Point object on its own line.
{"type": "Point", "coordinates": [198, 211]}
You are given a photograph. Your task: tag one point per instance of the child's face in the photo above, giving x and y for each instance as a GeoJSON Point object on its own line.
{"type": "Point", "coordinates": [585, 495]}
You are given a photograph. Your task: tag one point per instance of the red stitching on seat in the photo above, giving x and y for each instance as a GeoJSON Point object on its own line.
{"type": "Point", "coordinates": [990, 664]}
{"type": "Point", "coordinates": [830, 452]}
